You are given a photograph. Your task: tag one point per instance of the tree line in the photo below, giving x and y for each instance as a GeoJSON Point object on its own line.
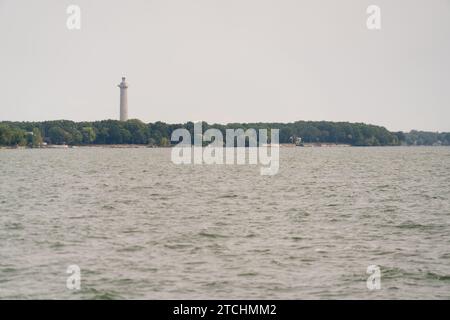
{"type": "Point", "coordinates": [134, 131]}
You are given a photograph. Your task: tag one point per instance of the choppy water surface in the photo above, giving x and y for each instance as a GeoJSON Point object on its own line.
{"type": "Point", "coordinates": [141, 227]}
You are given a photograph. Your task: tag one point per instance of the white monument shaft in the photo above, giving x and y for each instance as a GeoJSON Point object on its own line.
{"type": "Point", "coordinates": [123, 100]}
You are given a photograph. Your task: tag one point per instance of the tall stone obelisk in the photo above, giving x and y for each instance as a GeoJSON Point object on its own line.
{"type": "Point", "coordinates": [123, 100]}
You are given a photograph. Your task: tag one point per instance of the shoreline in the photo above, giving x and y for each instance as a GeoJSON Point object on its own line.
{"type": "Point", "coordinates": [142, 146]}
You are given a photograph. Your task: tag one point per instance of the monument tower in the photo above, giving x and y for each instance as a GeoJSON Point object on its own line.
{"type": "Point", "coordinates": [123, 100]}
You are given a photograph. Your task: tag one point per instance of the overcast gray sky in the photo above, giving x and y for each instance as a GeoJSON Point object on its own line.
{"type": "Point", "coordinates": [228, 61]}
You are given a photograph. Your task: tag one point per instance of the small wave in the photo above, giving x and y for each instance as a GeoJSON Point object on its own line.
{"type": "Point", "coordinates": [131, 249]}
{"type": "Point", "coordinates": [155, 194]}
{"type": "Point", "coordinates": [219, 284]}
{"type": "Point", "coordinates": [247, 274]}
{"type": "Point", "coordinates": [332, 205]}
{"type": "Point", "coordinates": [8, 270]}
{"type": "Point", "coordinates": [211, 235]}
{"type": "Point", "coordinates": [228, 196]}
{"type": "Point", "coordinates": [394, 272]}
{"type": "Point", "coordinates": [130, 231]}
{"type": "Point", "coordinates": [413, 225]}
{"type": "Point", "coordinates": [177, 245]}
{"type": "Point", "coordinates": [445, 256]}
{"type": "Point", "coordinates": [435, 276]}
{"type": "Point", "coordinates": [57, 245]}
{"type": "Point", "coordinates": [14, 226]}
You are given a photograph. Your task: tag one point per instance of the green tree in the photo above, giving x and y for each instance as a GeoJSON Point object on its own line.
{"type": "Point", "coordinates": [88, 134]}
{"type": "Point", "coordinates": [37, 138]}
{"type": "Point", "coordinates": [18, 137]}
{"type": "Point", "coordinates": [5, 135]}
{"type": "Point", "coordinates": [115, 135]}
{"type": "Point", "coordinates": [164, 142]}
{"type": "Point", "coordinates": [138, 131]}
{"type": "Point", "coordinates": [58, 135]}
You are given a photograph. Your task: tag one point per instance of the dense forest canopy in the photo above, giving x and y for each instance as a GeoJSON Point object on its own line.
{"type": "Point", "coordinates": [159, 133]}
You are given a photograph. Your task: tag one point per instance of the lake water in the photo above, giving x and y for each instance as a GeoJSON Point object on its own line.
{"type": "Point", "coordinates": [139, 226]}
